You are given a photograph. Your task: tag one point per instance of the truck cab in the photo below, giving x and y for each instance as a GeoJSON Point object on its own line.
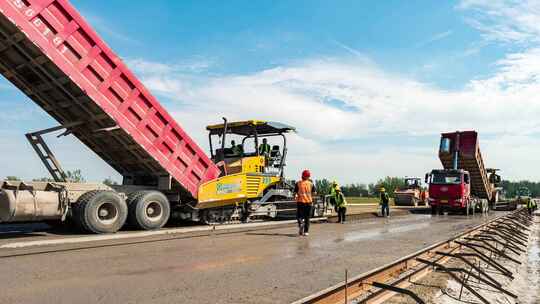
{"type": "Point", "coordinates": [464, 183]}
{"type": "Point", "coordinates": [448, 189]}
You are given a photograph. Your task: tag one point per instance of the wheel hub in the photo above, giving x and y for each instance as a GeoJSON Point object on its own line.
{"type": "Point", "coordinates": [153, 210]}
{"type": "Point", "coordinates": [107, 212]}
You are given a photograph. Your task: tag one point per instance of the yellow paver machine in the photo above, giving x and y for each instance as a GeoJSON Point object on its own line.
{"type": "Point", "coordinates": [251, 156]}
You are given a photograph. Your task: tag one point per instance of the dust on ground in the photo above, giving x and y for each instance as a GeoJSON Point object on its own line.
{"type": "Point", "coordinates": [440, 288]}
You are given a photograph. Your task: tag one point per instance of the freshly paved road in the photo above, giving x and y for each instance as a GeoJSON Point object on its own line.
{"type": "Point", "coordinates": [264, 266]}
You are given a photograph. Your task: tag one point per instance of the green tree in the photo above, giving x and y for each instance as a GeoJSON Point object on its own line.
{"type": "Point", "coordinates": [43, 179]}
{"type": "Point", "coordinates": [512, 188]}
{"type": "Point", "coordinates": [323, 186]}
{"type": "Point", "coordinates": [355, 189]}
{"type": "Point", "coordinates": [390, 184]}
{"type": "Point", "coordinates": [75, 176]}
{"type": "Point", "coordinates": [110, 182]}
{"type": "Point", "coordinates": [12, 178]}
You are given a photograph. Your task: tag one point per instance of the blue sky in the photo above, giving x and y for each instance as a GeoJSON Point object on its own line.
{"type": "Point", "coordinates": [370, 85]}
{"type": "Point", "coordinates": [248, 36]}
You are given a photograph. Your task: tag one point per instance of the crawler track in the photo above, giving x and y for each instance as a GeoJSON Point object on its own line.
{"type": "Point", "coordinates": [379, 285]}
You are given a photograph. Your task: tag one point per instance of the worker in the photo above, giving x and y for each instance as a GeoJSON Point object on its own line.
{"type": "Point", "coordinates": [530, 206]}
{"type": "Point", "coordinates": [304, 190]}
{"type": "Point", "coordinates": [333, 188]}
{"type": "Point", "coordinates": [424, 197]}
{"type": "Point", "coordinates": [341, 205]}
{"type": "Point", "coordinates": [237, 150]}
{"type": "Point", "coordinates": [385, 203]}
{"type": "Point", "coordinates": [264, 148]}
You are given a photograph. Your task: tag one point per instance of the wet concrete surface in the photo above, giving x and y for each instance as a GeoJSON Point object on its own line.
{"type": "Point", "coordinates": [264, 266]}
{"type": "Point", "coordinates": [41, 232]}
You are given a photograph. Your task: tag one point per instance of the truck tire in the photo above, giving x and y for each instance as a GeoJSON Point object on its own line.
{"type": "Point", "coordinates": [148, 210]}
{"type": "Point", "coordinates": [100, 211]}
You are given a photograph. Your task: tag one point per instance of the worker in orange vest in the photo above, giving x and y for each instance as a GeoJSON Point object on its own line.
{"type": "Point", "coordinates": [304, 191]}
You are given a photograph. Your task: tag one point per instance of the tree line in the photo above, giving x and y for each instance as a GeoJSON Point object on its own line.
{"type": "Point", "coordinates": [392, 183]}
{"type": "Point", "coordinates": [511, 188]}
{"type": "Point", "coordinates": [74, 176]}
{"type": "Point", "coordinates": [389, 183]}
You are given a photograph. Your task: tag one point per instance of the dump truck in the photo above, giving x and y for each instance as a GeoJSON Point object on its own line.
{"type": "Point", "coordinates": [53, 55]}
{"type": "Point", "coordinates": [412, 194]}
{"type": "Point", "coordinates": [464, 184]}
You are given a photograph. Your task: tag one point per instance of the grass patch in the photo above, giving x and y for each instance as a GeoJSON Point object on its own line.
{"type": "Point", "coordinates": [353, 200]}
{"type": "Point", "coordinates": [362, 200]}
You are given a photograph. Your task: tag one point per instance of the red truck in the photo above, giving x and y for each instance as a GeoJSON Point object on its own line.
{"type": "Point", "coordinates": [464, 184]}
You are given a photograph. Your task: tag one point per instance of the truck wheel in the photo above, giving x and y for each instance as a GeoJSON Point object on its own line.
{"type": "Point", "coordinates": [100, 211]}
{"type": "Point", "coordinates": [148, 210]}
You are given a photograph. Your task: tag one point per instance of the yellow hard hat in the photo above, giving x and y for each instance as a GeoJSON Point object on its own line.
{"type": "Point", "coordinates": [382, 189]}
{"type": "Point", "coordinates": [338, 188]}
{"type": "Point", "coordinates": [334, 183]}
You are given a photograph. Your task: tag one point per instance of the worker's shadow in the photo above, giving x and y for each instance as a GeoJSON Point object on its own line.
{"type": "Point", "coordinates": [273, 234]}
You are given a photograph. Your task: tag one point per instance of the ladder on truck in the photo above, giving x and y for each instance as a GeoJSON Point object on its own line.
{"type": "Point", "coordinates": [44, 152]}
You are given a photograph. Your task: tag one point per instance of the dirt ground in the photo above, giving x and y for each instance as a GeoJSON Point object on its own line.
{"type": "Point", "coordinates": [440, 288]}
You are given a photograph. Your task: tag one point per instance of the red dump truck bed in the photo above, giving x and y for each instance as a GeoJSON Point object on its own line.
{"type": "Point", "coordinates": [470, 159]}
{"type": "Point", "coordinates": [53, 55]}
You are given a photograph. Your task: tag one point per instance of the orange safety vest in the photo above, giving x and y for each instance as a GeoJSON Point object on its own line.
{"type": "Point", "coordinates": [305, 187]}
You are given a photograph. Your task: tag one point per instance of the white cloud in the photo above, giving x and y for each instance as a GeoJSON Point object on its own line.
{"type": "Point", "coordinates": [506, 21]}
{"type": "Point", "coordinates": [370, 103]}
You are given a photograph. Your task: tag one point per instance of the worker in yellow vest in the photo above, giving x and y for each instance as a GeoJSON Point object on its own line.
{"type": "Point", "coordinates": [264, 148]}
{"type": "Point", "coordinates": [530, 206]}
{"type": "Point", "coordinates": [304, 191]}
{"type": "Point", "coordinates": [385, 203]}
{"type": "Point", "coordinates": [333, 188]}
{"type": "Point", "coordinates": [341, 205]}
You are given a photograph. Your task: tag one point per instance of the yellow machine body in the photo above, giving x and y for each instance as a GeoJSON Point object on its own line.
{"type": "Point", "coordinates": [245, 175]}
{"type": "Point", "coordinates": [237, 188]}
